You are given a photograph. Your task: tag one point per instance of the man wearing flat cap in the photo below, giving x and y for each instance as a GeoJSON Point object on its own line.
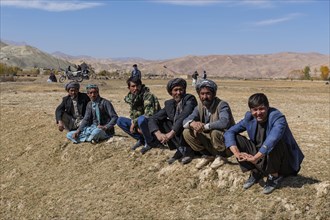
{"type": "Point", "coordinates": [72, 108]}
{"type": "Point", "coordinates": [204, 128]}
{"type": "Point", "coordinates": [99, 120]}
{"type": "Point", "coordinates": [166, 124]}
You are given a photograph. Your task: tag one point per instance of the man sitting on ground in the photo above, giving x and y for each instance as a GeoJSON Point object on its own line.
{"type": "Point", "coordinates": [206, 125]}
{"type": "Point", "coordinates": [99, 121]}
{"type": "Point", "coordinates": [71, 111]}
{"type": "Point", "coordinates": [166, 124]}
{"type": "Point", "coordinates": [271, 149]}
{"type": "Point", "coordinates": [143, 104]}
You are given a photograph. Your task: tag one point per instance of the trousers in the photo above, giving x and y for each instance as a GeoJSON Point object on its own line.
{"type": "Point", "coordinates": [277, 161]}
{"type": "Point", "coordinates": [209, 143]}
{"type": "Point", "coordinates": [145, 137]}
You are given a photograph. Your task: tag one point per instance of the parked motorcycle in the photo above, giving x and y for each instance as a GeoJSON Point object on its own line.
{"type": "Point", "coordinates": [71, 75]}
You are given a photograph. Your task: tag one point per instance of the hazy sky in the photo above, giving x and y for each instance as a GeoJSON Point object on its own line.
{"type": "Point", "coordinates": [165, 29]}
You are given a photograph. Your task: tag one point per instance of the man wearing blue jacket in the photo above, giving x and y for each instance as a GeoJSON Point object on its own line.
{"type": "Point", "coordinates": [271, 149]}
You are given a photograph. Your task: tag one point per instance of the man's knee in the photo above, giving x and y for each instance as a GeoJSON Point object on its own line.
{"type": "Point", "coordinates": [142, 119]}
{"type": "Point", "coordinates": [69, 134]}
{"type": "Point", "coordinates": [121, 121]}
{"type": "Point", "coordinates": [217, 136]}
{"type": "Point", "coordinates": [187, 134]}
{"type": "Point", "coordinates": [217, 140]}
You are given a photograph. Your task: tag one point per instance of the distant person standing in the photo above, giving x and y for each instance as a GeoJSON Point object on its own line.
{"type": "Point", "coordinates": [194, 78]}
{"type": "Point", "coordinates": [204, 75]}
{"type": "Point", "coordinates": [136, 72]}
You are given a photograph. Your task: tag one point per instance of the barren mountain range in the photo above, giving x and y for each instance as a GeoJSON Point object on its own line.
{"type": "Point", "coordinates": [278, 65]}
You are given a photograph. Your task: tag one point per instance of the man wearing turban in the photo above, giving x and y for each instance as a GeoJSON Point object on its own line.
{"type": "Point", "coordinates": [166, 124]}
{"type": "Point", "coordinates": [72, 108]}
{"type": "Point", "coordinates": [99, 120]}
{"type": "Point", "coordinates": [204, 128]}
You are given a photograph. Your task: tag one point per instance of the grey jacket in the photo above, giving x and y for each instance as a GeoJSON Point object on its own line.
{"type": "Point", "coordinates": [108, 115]}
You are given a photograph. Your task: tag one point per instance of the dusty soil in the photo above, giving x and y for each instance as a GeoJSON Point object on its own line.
{"type": "Point", "coordinates": [43, 176]}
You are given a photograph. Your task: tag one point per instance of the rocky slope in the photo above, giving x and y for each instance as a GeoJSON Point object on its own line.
{"type": "Point", "coordinates": [279, 65]}
{"type": "Point", "coordinates": [28, 57]}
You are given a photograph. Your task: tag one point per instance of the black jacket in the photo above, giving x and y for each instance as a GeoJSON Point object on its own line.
{"type": "Point", "coordinates": [67, 106]}
{"type": "Point", "coordinates": [189, 102]}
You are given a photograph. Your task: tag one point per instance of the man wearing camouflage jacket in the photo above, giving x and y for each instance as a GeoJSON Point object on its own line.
{"type": "Point", "coordinates": [143, 104]}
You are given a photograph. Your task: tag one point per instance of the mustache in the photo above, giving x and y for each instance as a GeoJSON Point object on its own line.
{"type": "Point", "coordinates": [179, 95]}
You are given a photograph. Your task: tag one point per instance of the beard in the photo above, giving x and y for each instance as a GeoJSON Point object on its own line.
{"type": "Point", "coordinates": [178, 98]}
{"type": "Point", "coordinates": [207, 103]}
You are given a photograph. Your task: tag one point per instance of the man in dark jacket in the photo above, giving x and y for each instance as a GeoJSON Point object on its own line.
{"type": "Point", "coordinates": [194, 78]}
{"type": "Point", "coordinates": [204, 75]}
{"type": "Point", "coordinates": [271, 149]}
{"type": "Point", "coordinates": [72, 109]}
{"type": "Point", "coordinates": [99, 120]}
{"type": "Point", "coordinates": [136, 72]}
{"type": "Point", "coordinates": [166, 124]}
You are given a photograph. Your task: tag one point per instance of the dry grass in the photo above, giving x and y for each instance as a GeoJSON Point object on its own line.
{"type": "Point", "coordinates": [43, 176]}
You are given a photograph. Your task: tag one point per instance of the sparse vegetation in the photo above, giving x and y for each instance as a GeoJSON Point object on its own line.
{"type": "Point", "coordinates": [8, 73]}
{"type": "Point", "coordinates": [306, 72]}
{"type": "Point", "coordinates": [8, 70]}
{"type": "Point", "coordinates": [324, 72]}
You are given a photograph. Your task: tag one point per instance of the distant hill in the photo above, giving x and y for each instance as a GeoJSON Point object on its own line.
{"type": "Point", "coordinates": [279, 65]}
{"type": "Point", "coordinates": [62, 55]}
{"type": "Point", "coordinates": [3, 44]}
{"type": "Point", "coordinates": [14, 43]}
{"type": "Point", "coordinates": [28, 57]}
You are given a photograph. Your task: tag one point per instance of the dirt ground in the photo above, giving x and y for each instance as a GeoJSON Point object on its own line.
{"type": "Point", "coordinates": [43, 176]}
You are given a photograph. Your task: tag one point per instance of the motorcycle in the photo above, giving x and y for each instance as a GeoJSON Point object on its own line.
{"type": "Point", "coordinates": [71, 75]}
{"type": "Point", "coordinates": [88, 74]}
{"type": "Point", "coordinates": [85, 74]}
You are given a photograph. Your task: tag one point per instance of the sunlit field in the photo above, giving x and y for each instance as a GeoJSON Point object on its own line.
{"type": "Point", "coordinates": [44, 176]}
